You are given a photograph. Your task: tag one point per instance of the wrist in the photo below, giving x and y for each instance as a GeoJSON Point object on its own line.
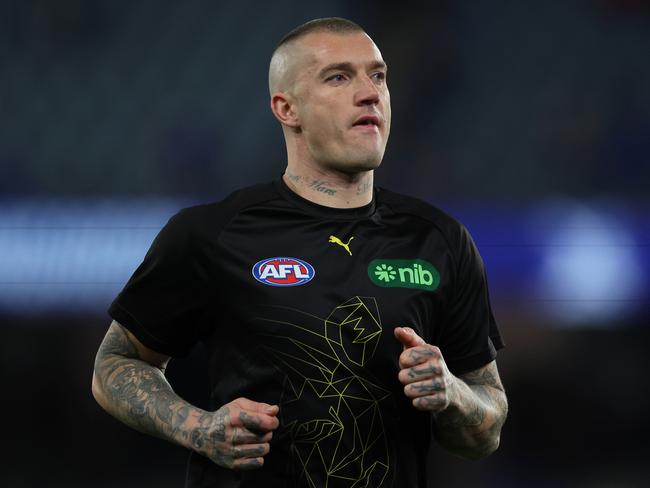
{"type": "Point", "coordinates": [191, 433]}
{"type": "Point", "coordinates": [455, 393]}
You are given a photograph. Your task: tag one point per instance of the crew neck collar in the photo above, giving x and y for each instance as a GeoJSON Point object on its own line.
{"type": "Point", "coordinates": [322, 210]}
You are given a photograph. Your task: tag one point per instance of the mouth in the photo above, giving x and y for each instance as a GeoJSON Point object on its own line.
{"type": "Point", "coordinates": [367, 122]}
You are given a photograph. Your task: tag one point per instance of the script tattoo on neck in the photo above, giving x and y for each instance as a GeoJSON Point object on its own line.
{"type": "Point", "coordinates": [292, 177]}
{"type": "Point", "coordinates": [322, 187]}
{"type": "Point", "coordinates": [363, 187]}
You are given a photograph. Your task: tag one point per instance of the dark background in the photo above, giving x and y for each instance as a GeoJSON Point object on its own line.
{"type": "Point", "coordinates": [529, 121]}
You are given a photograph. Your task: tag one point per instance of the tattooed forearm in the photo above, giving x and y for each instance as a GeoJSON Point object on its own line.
{"type": "Point", "coordinates": [129, 382]}
{"type": "Point", "coordinates": [472, 424]}
{"type": "Point", "coordinates": [137, 392]}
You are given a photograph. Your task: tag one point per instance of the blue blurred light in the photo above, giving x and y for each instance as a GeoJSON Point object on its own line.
{"type": "Point", "coordinates": [574, 264]}
{"type": "Point", "coordinates": [591, 271]}
{"type": "Point", "coordinates": [73, 256]}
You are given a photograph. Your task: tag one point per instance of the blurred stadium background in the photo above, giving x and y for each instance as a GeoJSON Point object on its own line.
{"type": "Point", "coordinates": [529, 121]}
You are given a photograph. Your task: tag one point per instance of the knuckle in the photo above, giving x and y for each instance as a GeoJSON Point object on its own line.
{"type": "Point", "coordinates": [430, 403]}
{"type": "Point", "coordinates": [231, 420]}
{"type": "Point", "coordinates": [407, 375]}
{"type": "Point", "coordinates": [267, 437]}
{"type": "Point", "coordinates": [225, 461]}
{"type": "Point", "coordinates": [417, 403]}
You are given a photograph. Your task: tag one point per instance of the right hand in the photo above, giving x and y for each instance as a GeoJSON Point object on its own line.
{"type": "Point", "coordinates": [237, 435]}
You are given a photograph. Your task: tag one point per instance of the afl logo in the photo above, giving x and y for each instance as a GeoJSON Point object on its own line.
{"type": "Point", "coordinates": [283, 271]}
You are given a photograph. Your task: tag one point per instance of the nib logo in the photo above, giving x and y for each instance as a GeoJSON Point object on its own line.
{"type": "Point", "coordinates": [385, 272]}
{"type": "Point", "coordinates": [404, 273]}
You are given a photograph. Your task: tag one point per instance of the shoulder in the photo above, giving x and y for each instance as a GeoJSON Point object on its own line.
{"type": "Point", "coordinates": [423, 213]}
{"type": "Point", "coordinates": [198, 226]}
{"type": "Point", "coordinates": [216, 215]}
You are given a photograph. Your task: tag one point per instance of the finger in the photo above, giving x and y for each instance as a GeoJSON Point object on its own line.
{"type": "Point", "coordinates": [251, 450]}
{"type": "Point", "coordinates": [257, 407]}
{"type": "Point", "coordinates": [246, 464]}
{"type": "Point", "coordinates": [431, 403]}
{"type": "Point", "coordinates": [422, 372]}
{"type": "Point", "coordinates": [424, 388]}
{"type": "Point", "coordinates": [408, 337]}
{"type": "Point", "coordinates": [241, 436]}
{"type": "Point", "coordinates": [415, 356]}
{"type": "Point", "coordinates": [255, 422]}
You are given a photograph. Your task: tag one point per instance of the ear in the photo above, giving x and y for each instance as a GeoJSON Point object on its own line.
{"type": "Point", "coordinates": [283, 108]}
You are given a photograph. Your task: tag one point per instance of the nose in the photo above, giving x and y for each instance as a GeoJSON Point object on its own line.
{"type": "Point", "coordinates": [367, 92]}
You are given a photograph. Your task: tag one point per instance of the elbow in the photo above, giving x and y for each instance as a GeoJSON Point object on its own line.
{"type": "Point", "coordinates": [482, 449]}
{"type": "Point", "coordinates": [474, 448]}
{"type": "Point", "coordinates": [97, 391]}
{"type": "Point", "coordinates": [484, 443]}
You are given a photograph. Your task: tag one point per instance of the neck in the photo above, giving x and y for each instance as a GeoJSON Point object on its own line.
{"type": "Point", "coordinates": [331, 188]}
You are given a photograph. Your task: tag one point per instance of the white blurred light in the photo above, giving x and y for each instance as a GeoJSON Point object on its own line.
{"type": "Point", "coordinates": [591, 273]}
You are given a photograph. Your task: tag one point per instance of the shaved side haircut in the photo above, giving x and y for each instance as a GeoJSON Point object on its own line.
{"type": "Point", "coordinates": [280, 65]}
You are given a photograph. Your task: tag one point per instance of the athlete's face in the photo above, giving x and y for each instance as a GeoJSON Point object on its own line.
{"type": "Point", "coordinates": [342, 101]}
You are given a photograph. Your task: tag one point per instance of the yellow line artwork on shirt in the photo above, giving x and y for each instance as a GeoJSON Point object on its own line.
{"type": "Point", "coordinates": [344, 445]}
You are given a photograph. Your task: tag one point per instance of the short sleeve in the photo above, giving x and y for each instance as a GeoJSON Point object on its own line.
{"type": "Point", "coordinates": [164, 303]}
{"type": "Point", "coordinates": [470, 336]}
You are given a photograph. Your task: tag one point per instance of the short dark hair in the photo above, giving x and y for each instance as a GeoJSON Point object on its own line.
{"type": "Point", "coordinates": [328, 24]}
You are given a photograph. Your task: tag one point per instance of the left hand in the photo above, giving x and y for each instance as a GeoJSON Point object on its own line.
{"type": "Point", "coordinates": [423, 372]}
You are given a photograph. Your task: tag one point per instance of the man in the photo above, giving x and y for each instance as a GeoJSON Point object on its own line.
{"type": "Point", "coordinates": [344, 324]}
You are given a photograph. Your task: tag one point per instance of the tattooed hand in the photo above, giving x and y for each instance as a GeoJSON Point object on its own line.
{"type": "Point", "coordinates": [469, 410]}
{"type": "Point", "coordinates": [237, 435]}
{"type": "Point", "coordinates": [423, 372]}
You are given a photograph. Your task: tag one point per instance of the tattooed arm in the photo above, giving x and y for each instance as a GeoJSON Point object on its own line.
{"type": "Point", "coordinates": [469, 410]}
{"type": "Point", "coordinates": [129, 383]}
{"type": "Point", "coordinates": [471, 424]}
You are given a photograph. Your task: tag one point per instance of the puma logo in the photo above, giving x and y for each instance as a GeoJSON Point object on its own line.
{"type": "Point", "coordinates": [336, 240]}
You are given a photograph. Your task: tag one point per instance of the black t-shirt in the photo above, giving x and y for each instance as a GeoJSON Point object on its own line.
{"type": "Point", "coordinates": [296, 304]}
